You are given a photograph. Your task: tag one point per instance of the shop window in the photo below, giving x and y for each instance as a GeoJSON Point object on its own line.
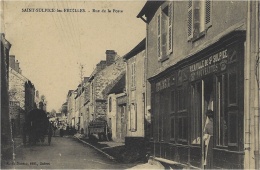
{"type": "Point", "coordinates": [233, 123]}
{"type": "Point", "coordinates": [232, 83]}
{"type": "Point", "coordinates": [164, 31]}
{"type": "Point", "coordinates": [221, 111]}
{"type": "Point", "coordinates": [172, 128]}
{"type": "Point", "coordinates": [196, 96]}
{"type": "Point", "coordinates": [182, 99]}
{"type": "Point", "coordinates": [183, 128]}
{"type": "Point", "coordinates": [133, 117]}
{"type": "Point", "coordinates": [172, 101]}
{"type": "Point", "coordinates": [199, 18]}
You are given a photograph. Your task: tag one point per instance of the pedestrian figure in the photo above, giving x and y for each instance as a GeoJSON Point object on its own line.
{"type": "Point", "coordinates": [208, 138]}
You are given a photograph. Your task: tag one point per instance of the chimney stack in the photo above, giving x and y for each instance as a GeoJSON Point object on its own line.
{"type": "Point", "coordinates": [17, 68]}
{"type": "Point", "coordinates": [101, 65]}
{"type": "Point", "coordinates": [110, 57]}
{"type": "Point", "coordinates": [12, 61]}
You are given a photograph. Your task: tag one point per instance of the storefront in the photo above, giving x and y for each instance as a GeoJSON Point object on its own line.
{"type": "Point", "coordinates": [212, 79]}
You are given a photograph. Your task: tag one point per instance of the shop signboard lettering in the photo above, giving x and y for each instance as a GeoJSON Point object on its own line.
{"type": "Point", "coordinates": [165, 83]}
{"type": "Point", "coordinates": [214, 63]}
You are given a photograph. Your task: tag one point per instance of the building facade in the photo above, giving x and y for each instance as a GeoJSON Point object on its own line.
{"type": "Point", "coordinates": [208, 64]}
{"type": "Point", "coordinates": [21, 96]}
{"type": "Point", "coordinates": [6, 145]}
{"type": "Point", "coordinates": [136, 97]}
{"type": "Point", "coordinates": [116, 110]}
{"type": "Point", "coordinates": [71, 108]}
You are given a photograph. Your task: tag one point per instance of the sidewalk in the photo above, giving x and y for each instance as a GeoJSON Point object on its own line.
{"type": "Point", "coordinates": [116, 151]}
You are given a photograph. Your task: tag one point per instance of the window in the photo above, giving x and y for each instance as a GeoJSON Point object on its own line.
{"type": "Point", "coordinates": [199, 18]}
{"type": "Point", "coordinates": [183, 128]}
{"type": "Point", "coordinates": [233, 137]}
{"type": "Point", "coordinates": [133, 74]}
{"type": "Point", "coordinates": [172, 128]}
{"type": "Point", "coordinates": [110, 104]}
{"type": "Point", "coordinates": [182, 101]}
{"type": "Point", "coordinates": [221, 110]}
{"type": "Point", "coordinates": [165, 31]}
{"type": "Point", "coordinates": [172, 101]}
{"type": "Point", "coordinates": [232, 83]}
{"type": "Point", "coordinates": [196, 97]}
{"type": "Point", "coordinates": [133, 119]}
{"type": "Point", "coordinates": [182, 114]}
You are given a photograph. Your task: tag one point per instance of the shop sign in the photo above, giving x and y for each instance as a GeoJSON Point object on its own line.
{"type": "Point", "coordinates": [214, 63]}
{"type": "Point", "coordinates": [165, 83]}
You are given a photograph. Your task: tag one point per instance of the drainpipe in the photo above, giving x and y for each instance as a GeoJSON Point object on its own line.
{"type": "Point", "coordinates": [247, 90]}
{"type": "Point", "coordinates": [256, 116]}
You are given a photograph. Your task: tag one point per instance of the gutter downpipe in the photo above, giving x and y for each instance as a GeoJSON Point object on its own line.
{"type": "Point", "coordinates": [256, 111]}
{"type": "Point", "coordinates": [247, 91]}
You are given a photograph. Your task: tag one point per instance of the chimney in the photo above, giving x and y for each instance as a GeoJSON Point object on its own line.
{"type": "Point", "coordinates": [110, 57]}
{"type": "Point", "coordinates": [101, 65]}
{"type": "Point", "coordinates": [12, 61]}
{"type": "Point", "coordinates": [17, 66]}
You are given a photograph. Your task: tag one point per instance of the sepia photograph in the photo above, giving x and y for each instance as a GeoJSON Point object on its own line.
{"type": "Point", "coordinates": [130, 84]}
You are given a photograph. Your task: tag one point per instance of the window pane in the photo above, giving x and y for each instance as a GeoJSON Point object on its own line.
{"type": "Point", "coordinates": [172, 127]}
{"type": "Point", "coordinates": [232, 128]}
{"type": "Point", "coordinates": [180, 128]}
{"type": "Point", "coordinates": [172, 101]}
{"type": "Point", "coordinates": [185, 128]}
{"type": "Point", "coordinates": [232, 88]}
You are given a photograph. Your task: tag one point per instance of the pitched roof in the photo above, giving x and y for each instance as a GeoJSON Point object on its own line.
{"type": "Point", "coordinates": [137, 49]}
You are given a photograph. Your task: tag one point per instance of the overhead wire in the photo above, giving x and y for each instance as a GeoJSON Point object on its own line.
{"type": "Point", "coordinates": [62, 22]}
{"type": "Point", "coordinates": [66, 45]}
{"type": "Point", "coordinates": [68, 23]}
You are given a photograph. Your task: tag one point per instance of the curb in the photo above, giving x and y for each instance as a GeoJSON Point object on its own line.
{"type": "Point", "coordinates": [109, 156]}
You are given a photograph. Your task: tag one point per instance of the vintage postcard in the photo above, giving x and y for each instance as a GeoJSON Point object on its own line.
{"type": "Point", "coordinates": [129, 84]}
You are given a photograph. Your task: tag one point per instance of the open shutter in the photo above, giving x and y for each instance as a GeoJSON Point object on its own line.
{"type": "Point", "coordinates": [190, 19]}
{"type": "Point", "coordinates": [159, 43]}
{"type": "Point", "coordinates": [208, 13]}
{"type": "Point", "coordinates": [134, 74]}
{"type": "Point", "coordinates": [170, 27]}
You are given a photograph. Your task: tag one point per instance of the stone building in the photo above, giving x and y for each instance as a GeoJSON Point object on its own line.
{"type": "Point", "coordinates": [21, 94]}
{"type": "Point", "coordinates": [203, 55]}
{"type": "Point", "coordinates": [105, 73]}
{"type": "Point", "coordinates": [6, 145]}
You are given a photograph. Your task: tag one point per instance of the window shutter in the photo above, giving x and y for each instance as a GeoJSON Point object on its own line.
{"type": "Point", "coordinates": [159, 43]}
{"type": "Point", "coordinates": [135, 123]}
{"type": "Point", "coordinates": [190, 19]}
{"type": "Point", "coordinates": [134, 74]}
{"type": "Point", "coordinates": [170, 27]}
{"type": "Point", "coordinates": [208, 13]}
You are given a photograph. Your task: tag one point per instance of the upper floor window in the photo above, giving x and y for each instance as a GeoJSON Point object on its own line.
{"type": "Point", "coordinates": [164, 31]}
{"type": "Point", "coordinates": [110, 104]}
{"type": "Point", "coordinates": [133, 74]}
{"type": "Point", "coordinates": [199, 18]}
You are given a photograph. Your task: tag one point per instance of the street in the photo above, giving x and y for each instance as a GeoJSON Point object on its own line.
{"type": "Point", "coordinates": [63, 153]}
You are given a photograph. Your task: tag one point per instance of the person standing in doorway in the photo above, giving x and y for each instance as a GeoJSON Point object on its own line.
{"type": "Point", "coordinates": [208, 138]}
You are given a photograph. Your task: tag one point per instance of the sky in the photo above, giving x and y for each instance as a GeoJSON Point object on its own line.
{"type": "Point", "coordinates": [51, 46]}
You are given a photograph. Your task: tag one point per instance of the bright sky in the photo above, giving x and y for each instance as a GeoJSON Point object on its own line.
{"type": "Point", "coordinates": [51, 45]}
